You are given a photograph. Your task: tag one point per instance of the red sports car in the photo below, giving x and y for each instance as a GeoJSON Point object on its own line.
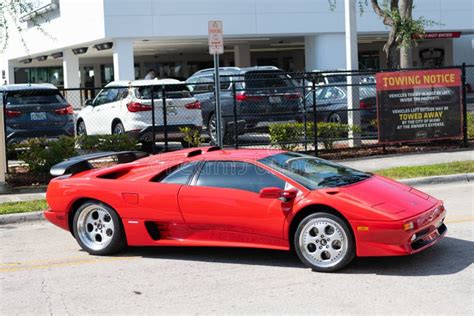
{"type": "Point", "coordinates": [272, 199]}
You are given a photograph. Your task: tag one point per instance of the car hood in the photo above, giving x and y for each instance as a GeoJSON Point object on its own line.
{"type": "Point", "coordinates": [389, 197]}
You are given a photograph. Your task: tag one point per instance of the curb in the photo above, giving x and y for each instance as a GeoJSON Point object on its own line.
{"type": "Point", "coordinates": [464, 177]}
{"type": "Point", "coordinates": [21, 217]}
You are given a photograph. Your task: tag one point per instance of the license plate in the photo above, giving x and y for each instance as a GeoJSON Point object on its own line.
{"type": "Point", "coordinates": [38, 116]}
{"type": "Point", "coordinates": [274, 100]}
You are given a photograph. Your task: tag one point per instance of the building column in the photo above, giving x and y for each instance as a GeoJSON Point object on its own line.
{"type": "Point", "coordinates": [3, 156]}
{"type": "Point", "coordinates": [123, 60]}
{"type": "Point", "coordinates": [71, 71]}
{"type": "Point", "coordinates": [97, 76]}
{"type": "Point", "coordinates": [242, 55]}
{"type": "Point", "coordinates": [9, 67]}
{"type": "Point", "coordinates": [72, 79]}
{"type": "Point", "coordinates": [325, 52]}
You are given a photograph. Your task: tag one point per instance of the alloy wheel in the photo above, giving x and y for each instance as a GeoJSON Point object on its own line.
{"type": "Point", "coordinates": [95, 227]}
{"type": "Point", "coordinates": [323, 242]}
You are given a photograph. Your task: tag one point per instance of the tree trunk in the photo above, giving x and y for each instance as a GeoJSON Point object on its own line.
{"type": "Point", "coordinates": [406, 57]}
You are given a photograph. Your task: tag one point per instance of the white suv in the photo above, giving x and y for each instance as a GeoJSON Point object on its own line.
{"type": "Point", "coordinates": [125, 107]}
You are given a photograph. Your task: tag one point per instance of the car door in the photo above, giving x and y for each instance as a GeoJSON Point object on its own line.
{"type": "Point", "coordinates": [101, 116]}
{"type": "Point", "coordinates": [224, 195]}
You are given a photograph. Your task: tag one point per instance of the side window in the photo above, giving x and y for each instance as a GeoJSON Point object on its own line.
{"type": "Point", "coordinates": [179, 175]}
{"type": "Point", "coordinates": [106, 96]}
{"type": "Point", "coordinates": [237, 175]}
{"type": "Point", "coordinates": [122, 93]}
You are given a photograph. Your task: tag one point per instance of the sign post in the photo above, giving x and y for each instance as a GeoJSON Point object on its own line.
{"type": "Point", "coordinates": [3, 158]}
{"type": "Point", "coordinates": [216, 48]}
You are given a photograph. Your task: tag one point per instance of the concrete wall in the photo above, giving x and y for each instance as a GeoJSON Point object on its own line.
{"type": "Point", "coordinates": [188, 18]}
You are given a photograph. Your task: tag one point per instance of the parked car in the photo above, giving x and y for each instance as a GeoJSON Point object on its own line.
{"type": "Point", "coordinates": [125, 107]}
{"type": "Point", "coordinates": [35, 110]}
{"type": "Point", "coordinates": [327, 213]}
{"type": "Point", "coordinates": [331, 106]}
{"type": "Point", "coordinates": [263, 95]}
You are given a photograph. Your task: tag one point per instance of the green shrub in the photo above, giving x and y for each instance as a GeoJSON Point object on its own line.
{"type": "Point", "coordinates": [470, 125]}
{"type": "Point", "coordinates": [41, 153]}
{"type": "Point", "coordinates": [280, 133]}
{"type": "Point", "coordinates": [192, 137]}
{"type": "Point", "coordinates": [96, 143]}
{"type": "Point", "coordinates": [328, 133]}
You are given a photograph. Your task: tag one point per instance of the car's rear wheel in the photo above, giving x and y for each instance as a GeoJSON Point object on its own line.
{"type": "Point", "coordinates": [324, 242]}
{"type": "Point", "coordinates": [118, 129]}
{"type": "Point", "coordinates": [98, 229]}
{"type": "Point", "coordinates": [334, 118]}
{"type": "Point", "coordinates": [81, 128]}
{"type": "Point", "coordinates": [227, 136]}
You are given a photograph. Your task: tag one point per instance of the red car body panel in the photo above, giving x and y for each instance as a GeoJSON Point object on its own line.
{"type": "Point", "coordinates": [376, 208]}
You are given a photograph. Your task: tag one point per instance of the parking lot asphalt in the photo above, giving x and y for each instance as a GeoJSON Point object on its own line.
{"type": "Point", "coordinates": [43, 271]}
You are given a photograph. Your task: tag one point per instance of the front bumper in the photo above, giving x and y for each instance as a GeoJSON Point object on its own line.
{"type": "Point", "coordinates": [389, 239]}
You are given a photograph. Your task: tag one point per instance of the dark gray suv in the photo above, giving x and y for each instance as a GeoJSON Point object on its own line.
{"type": "Point", "coordinates": [36, 110]}
{"type": "Point", "coordinates": [263, 95]}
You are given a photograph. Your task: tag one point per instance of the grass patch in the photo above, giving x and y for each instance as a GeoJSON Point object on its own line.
{"type": "Point", "coordinates": [428, 170]}
{"type": "Point", "coordinates": [23, 207]}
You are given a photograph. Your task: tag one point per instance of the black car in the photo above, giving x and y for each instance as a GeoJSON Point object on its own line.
{"type": "Point", "coordinates": [36, 110]}
{"type": "Point", "coordinates": [331, 106]}
{"type": "Point", "coordinates": [261, 95]}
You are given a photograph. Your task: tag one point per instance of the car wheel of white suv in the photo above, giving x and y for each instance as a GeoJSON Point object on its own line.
{"type": "Point", "coordinates": [118, 129]}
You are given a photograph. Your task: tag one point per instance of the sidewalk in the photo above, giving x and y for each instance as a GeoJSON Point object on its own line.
{"type": "Point", "coordinates": [408, 160]}
{"type": "Point", "coordinates": [365, 164]}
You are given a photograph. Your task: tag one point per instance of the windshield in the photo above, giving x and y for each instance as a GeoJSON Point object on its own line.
{"type": "Point", "coordinates": [267, 79]}
{"type": "Point", "coordinates": [313, 173]}
{"type": "Point", "coordinates": [25, 97]}
{"type": "Point", "coordinates": [336, 79]}
{"type": "Point", "coordinates": [173, 91]}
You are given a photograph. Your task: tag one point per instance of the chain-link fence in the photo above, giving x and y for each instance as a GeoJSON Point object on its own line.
{"type": "Point", "coordinates": [262, 107]}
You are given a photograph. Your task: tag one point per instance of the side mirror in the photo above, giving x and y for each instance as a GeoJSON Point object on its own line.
{"type": "Point", "coordinates": [277, 193]}
{"type": "Point", "coordinates": [88, 102]}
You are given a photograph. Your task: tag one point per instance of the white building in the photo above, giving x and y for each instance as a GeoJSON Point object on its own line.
{"type": "Point", "coordinates": [170, 36]}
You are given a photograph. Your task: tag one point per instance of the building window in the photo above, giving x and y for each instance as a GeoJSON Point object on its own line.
{"type": "Point", "coordinates": [369, 60]}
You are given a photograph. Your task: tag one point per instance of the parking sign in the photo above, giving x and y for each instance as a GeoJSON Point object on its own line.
{"type": "Point", "coordinates": [216, 38]}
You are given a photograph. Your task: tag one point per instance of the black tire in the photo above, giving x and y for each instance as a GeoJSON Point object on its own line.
{"type": "Point", "coordinates": [118, 129]}
{"type": "Point", "coordinates": [334, 253]}
{"type": "Point", "coordinates": [86, 236]}
{"type": "Point", "coordinates": [81, 128]}
{"type": "Point", "coordinates": [210, 129]}
{"type": "Point", "coordinates": [334, 118]}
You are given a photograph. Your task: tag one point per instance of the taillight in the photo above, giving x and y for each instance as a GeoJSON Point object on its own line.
{"type": "Point", "coordinates": [65, 111]}
{"type": "Point", "coordinates": [138, 107]}
{"type": "Point", "coordinates": [12, 113]}
{"type": "Point", "coordinates": [196, 105]}
{"type": "Point", "coordinates": [244, 97]}
{"type": "Point", "coordinates": [364, 105]}
{"type": "Point", "coordinates": [293, 96]}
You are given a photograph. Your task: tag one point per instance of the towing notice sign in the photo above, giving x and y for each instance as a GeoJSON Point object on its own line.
{"type": "Point", "coordinates": [216, 38]}
{"type": "Point", "coordinates": [419, 105]}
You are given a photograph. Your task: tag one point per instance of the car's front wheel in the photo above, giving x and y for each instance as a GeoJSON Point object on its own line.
{"type": "Point", "coordinates": [324, 242]}
{"type": "Point", "coordinates": [98, 229]}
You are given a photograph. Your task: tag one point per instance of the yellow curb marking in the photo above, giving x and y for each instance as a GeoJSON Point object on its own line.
{"type": "Point", "coordinates": [62, 264]}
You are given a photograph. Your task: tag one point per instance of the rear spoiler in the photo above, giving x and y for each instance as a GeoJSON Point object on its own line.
{"type": "Point", "coordinates": [81, 163]}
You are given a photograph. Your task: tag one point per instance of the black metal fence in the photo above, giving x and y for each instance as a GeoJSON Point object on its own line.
{"type": "Point", "coordinates": [319, 112]}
